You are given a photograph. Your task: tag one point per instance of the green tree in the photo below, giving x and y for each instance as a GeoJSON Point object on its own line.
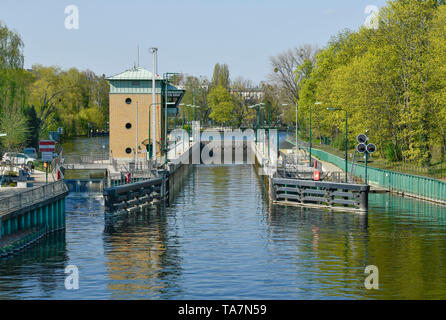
{"type": "Point", "coordinates": [11, 49]}
{"type": "Point", "coordinates": [220, 76]}
{"type": "Point", "coordinates": [222, 105]}
{"type": "Point", "coordinates": [437, 85]}
{"type": "Point", "coordinates": [14, 124]}
{"type": "Point", "coordinates": [384, 79]}
{"type": "Point", "coordinates": [198, 88]}
{"type": "Point", "coordinates": [244, 94]}
{"type": "Point", "coordinates": [33, 125]}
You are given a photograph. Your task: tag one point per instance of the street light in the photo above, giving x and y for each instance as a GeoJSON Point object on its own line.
{"type": "Point", "coordinates": [151, 148]}
{"type": "Point", "coordinates": [166, 84]}
{"type": "Point", "coordinates": [278, 150]}
{"type": "Point", "coordinates": [166, 146]}
{"type": "Point", "coordinates": [252, 107]}
{"type": "Point", "coordinates": [346, 136]}
{"type": "Point", "coordinates": [182, 149]}
{"type": "Point", "coordinates": [257, 106]}
{"type": "Point", "coordinates": [194, 110]}
{"type": "Point", "coordinates": [154, 72]}
{"type": "Point", "coordinates": [296, 125]}
{"type": "Point", "coordinates": [311, 141]}
{"type": "Point", "coordinates": [262, 106]}
{"type": "Point", "coordinates": [192, 106]}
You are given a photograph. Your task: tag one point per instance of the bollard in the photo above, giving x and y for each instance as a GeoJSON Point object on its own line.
{"type": "Point", "coordinates": [364, 198]}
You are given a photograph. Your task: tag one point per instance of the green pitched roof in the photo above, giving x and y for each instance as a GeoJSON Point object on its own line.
{"type": "Point", "coordinates": [135, 73]}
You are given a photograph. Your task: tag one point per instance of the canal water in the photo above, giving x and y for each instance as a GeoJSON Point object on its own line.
{"type": "Point", "coordinates": [221, 239]}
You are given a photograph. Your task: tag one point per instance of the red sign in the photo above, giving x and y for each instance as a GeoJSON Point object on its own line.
{"type": "Point", "coordinates": [47, 146]}
{"type": "Point", "coordinates": [316, 175]}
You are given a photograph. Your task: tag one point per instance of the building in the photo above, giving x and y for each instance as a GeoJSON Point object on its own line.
{"type": "Point", "coordinates": [130, 112]}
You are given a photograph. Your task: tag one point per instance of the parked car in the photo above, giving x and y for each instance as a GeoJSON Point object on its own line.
{"type": "Point", "coordinates": [18, 159]}
{"type": "Point", "coordinates": [30, 152]}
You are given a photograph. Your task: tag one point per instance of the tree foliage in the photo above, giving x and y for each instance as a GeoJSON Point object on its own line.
{"type": "Point", "coordinates": [71, 99]}
{"type": "Point", "coordinates": [13, 83]}
{"type": "Point", "coordinates": [222, 105]}
{"type": "Point", "coordinates": [389, 80]}
{"type": "Point", "coordinates": [197, 90]}
{"type": "Point", "coordinates": [220, 76]}
{"type": "Point", "coordinates": [14, 125]}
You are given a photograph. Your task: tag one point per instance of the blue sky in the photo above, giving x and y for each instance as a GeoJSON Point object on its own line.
{"type": "Point", "coordinates": [191, 35]}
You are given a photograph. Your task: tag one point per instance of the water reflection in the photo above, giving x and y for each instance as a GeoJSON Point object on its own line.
{"type": "Point", "coordinates": [35, 272]}
{"type": "Point", "coordinates": [220, 238]}
{"type": "Point", "coordinates": [142, 260]}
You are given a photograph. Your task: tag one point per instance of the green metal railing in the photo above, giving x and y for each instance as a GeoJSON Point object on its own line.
{"type": "Point", "coordinates": [423, 187]}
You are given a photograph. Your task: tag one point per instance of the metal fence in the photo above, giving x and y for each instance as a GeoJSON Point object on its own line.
{"type": "Point", "coordinates": [435, 171]}
{"type": "Point", "coordinates": [26, 198]}
{"type": "Point", "coordinates": [423, 187]}
{"type": "Point", "coordinates": [87, 158]}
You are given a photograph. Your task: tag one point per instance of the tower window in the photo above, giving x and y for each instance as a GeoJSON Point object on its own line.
{"type": "Point", "coordinates": [135, 83]}
{"type": "Point", "coordinates": [128, 150]}
{"type": "Point", "coordinates": [128, 125]}
{"type": "Point", "coordinates": [128, 101]}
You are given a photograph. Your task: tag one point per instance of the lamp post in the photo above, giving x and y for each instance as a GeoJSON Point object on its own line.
{"type": "Point", "coordinates": [296, 126]}
{"type": "Point", "coordinates": [150, 149]}
{"type": "Point", "coordinates": [182, 127]}
{"type": "Point", "coordinates": [154, 71]}
{"type": "Point", "coordinates": [346, 136]}
{"type": "Point", "coordinates": [285, 105]}
{"type": "Point", "coordinates": [257, 106]}
{"type": "Point", "coordinates": [166, 89]}
{"type": "Point", "coordinates": [192, 106]}
{"type": "Point", "coordinates": [262, 106]}
{"type": "Point", "coordinates": [136, 134]}
{"type": "Point", "coordinates": [256, 121]}
{"type": "Point", "coordinates": [311, 141]}
{"type": "Point", "coordinates": [277, 133]}
{"type": "Point", "coordinates": [166, 146]}
{"type": "Point", "coordinates": [278, 119]}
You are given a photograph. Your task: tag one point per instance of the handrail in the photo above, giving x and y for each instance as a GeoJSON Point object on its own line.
{"type": "Point", "coordinates": [29, 197]}
{"type": "Point", "coordinates": [423, 187]}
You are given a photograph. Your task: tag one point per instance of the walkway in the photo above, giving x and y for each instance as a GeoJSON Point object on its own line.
{"type": "Point", "coordinates": [38, 178]}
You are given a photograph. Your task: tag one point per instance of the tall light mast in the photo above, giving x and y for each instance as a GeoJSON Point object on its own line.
{"type": "Point", "coordinates": [154, 53]}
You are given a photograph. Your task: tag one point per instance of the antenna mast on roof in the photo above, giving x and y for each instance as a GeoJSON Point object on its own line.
{"type": "Point", "coordinates": [137, 45]}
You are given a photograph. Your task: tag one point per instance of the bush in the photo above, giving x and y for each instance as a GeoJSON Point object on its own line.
{"type": "Point", "coordinates": [390, 154]}
{"type": "Point", "coordinates": [11, 174]}
{"type": "Point", "coordinates": [339, 143]}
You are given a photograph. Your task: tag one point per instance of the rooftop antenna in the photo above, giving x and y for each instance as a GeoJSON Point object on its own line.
{"type": "Point", "coordinates": [137, 45]}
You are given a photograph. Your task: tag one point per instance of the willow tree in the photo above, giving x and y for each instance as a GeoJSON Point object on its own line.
{"type": "Point", "coordinates": [13, 83]}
